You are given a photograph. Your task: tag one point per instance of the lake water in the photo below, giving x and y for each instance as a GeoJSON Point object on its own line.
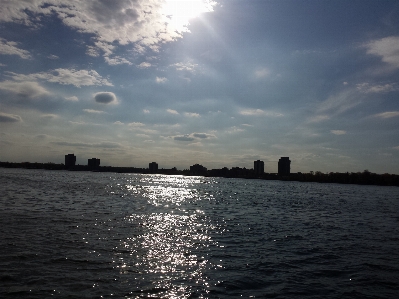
{"type": "Point", "coordinates": [105, 235]}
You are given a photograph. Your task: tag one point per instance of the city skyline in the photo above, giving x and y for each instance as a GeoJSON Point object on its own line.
{"type": "Point", "coordinates": [212, 82]}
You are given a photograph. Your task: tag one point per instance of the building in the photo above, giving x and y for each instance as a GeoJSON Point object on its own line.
{"type": "Point", "coordinates": [93, 163]}
{"type": "Point", "coordinates": [259, 167]}
{"type": "Point", "coordinates": [153, 166]}
{"type": "Point", "coordinates": [70, 160]}
{"type": "Point", "coordinates": [284, 166]}
{"type": "Point", "coordinates": [198, 169]}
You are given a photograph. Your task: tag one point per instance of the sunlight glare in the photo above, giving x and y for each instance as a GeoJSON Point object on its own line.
{"type": "Point", "coordinates": [179, 12]}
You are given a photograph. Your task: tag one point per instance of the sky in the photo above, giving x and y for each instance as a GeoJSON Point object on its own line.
{"type": "Point", "coordinates": [219, 82]}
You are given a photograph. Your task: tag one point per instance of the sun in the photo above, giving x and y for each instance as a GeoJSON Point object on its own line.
{"type": "Point", "coordinates": [180, 12]}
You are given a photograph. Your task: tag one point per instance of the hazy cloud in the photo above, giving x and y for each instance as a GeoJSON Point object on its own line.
{"type": "Point", "coordinates": [190, 114]}
{"type": "Point", "coordinates": [387, 48]}
{"type": "Point", "coordinates": [144, 65]}
{"type": "Point", "coordinates": [9, 118]}
{"type": "Point", "coordinates": [377, 88]}
{"type": "Point", "coordinates": [74, 77]}
{"type": "Point", "coordinates": [10, 48]}
{"type": "Point", "coordinates": [388, 114]}
{"type": "Point", "coordinates": [93, 111]}
{"type": "Point", "coordinates": [161, 79]}
{"type": "Point", "coordinates": [203, 135]}
{"type": "Point", "coordinates": [72, 99]}
{"type": "Point", "coordinates": [105, 97]}
{"type": "Point", "coordinates": [25, 89]}
{"type": "Point", "coordinates": [338, 132]}
{"type": "Point", "coordinates": [53, 57]}
{"type": "Point", "coordinates": [259, 112]}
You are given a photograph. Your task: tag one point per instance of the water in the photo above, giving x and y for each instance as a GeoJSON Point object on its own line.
{"type": "Point", "coordinates": [104, 235]}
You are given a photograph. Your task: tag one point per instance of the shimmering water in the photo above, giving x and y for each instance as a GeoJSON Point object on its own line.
{"type": "Point", "coordinates": [103, 235]}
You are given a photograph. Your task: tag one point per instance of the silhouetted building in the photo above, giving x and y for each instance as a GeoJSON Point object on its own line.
{"type": "Point", "coordinates": [93, 163]}
{"type": "Point", "coordinates": [153, 166]}
{"type": "Point", "coordinates": [70, 160]}
{"type": "Point", "coordinates": [284, 166]}
{"type": "Point", "coordinates": [198, 169]}
{"type": "Point", "coordinates": [259, 167]}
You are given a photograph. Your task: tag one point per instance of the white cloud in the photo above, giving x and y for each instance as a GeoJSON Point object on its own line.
{"type": "Point", "coordinates": [387, 48]}
{"type": "Point", "coordinates": [72, 99]}
{"type": "Point", "coordinates": [105, 97]}
{"type": "Point", "coordinates": [259, 112]}
{"type": "Point", "coordinates": [144, 65]}
{"type": "Point", "coordinates": [136, 124]}
{"type": "Point", "coordinates": [10, 48]}
{"type": "Point", "coordinates": [117, 60]}
{"type": "Point", "coordinates": [146, 111]}
{"type": "Point", "coordinates": [171, 111]}
{"type": "Point", "coordinates": [190, 114]}
{"type": "Point", "coordinates": [93, 111]}
{"type": "Point", "coordinates": [143, 22]}
{"type": "Point", "coordinates": [26, 89]}
{"type": "Point", "coordinates": [118, 123]}
{"type": "Point", "coordinates": [161, 79]}
{"type": "Point", "coordinates": [74, 77]}
{"type": "Point", "coordinates": [338, 132]}
{"type": "Point", "coordinates": [185, 66]}
{"type": "Point", "coordinates": [377, 88]}
{"type": "Point", "coordinates": [53, 57]}
{"type": "Point", "coordinates": [388, 114]}
{"type": "Point", "coordinates": [9, 118]}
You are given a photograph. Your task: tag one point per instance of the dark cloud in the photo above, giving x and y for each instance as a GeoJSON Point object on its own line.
{"type": "Point", "coordinates": [105, 97]}
{"type": "Point", "coordinates": [183, 138]}
{"type": "Point", "coordinates": [9, 118]}
{"type": "Point", "coordinates": [202, 135]}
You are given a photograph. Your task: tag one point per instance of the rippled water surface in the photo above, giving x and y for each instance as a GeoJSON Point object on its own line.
{"type": "Point", "coordinates": [104, 235]}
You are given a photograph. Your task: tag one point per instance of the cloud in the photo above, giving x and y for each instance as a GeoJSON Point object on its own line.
{"type": "Point", "coordinates": [185, 66]}
{"type": "Point", "coordinates": [388, 114]}
{"type": "Point", "coordinates": [161, 79]}
{"type": "Point", "coordinates": [105, 97]}
{"type": "Point", "coordinates": [72, 99]}
{"type": "Point", "coordinates": [183, 138]}
{"type": "Point", "coordinates": [24, 89]}
{"type": "Point", "coordinates": [136, 124]}
{"type": "Point", "coordinates": [171, 111]}
{"type": "Point", "coordinates": [377, 88]}
{"type": "Point", "coordinates": [145, 23]}
{"type": "Point", "coordinates": [144, 65]}
{"type": "Point", "coordinates": [118, 123]}
{"type": "Point", "coordinates": [49, 116]}
{"type": "Point", "coordinates": [318, 118]}
{"type": "Point", "coordinates": [53, 57]}
{"type": "Point", "coordinates": [338, 132]}
{"type": "Point", "coordinates": [203, 135]}
{"type": "Point", "coordinates": [74, 77]}
{"type": "Point", "coordinates": [262, 73]}
{"type": "Point", "coordinates": [387, 48]}
{"type": "Point", "coordinates": [117, 60]}
{"type": "Point", "coordinates": [9, 48]}
{"type": "Point", "coordinates": [146, 111]}
{"type": "Point", "coordinates": [104, 144]}
{"type": "Point", "coordinates": [259, 112]}
{"type": "Point", "coordinates": [190, 114]}
{"type": "Point", "coordinates": [93, 111]}
{"type": "Point", "coordinates": [9, 118]}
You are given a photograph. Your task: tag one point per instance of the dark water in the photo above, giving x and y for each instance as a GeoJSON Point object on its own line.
{"type": "Point", "coordinates": [101, 235]}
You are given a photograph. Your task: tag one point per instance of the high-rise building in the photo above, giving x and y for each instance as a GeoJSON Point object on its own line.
{"type": "Point", "coordinates": [153, 166]}
{"type": "Point", "coordinates": [284, 166]}
{"type": "Point", "coordinates": [259, 167]}
{"type": "Point", "coordinates": [70, 160]}
{"type": "Point", "coordinates": [93, 163]}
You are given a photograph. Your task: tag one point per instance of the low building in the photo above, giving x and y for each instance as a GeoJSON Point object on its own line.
{"type": "Point", "coordinates": [198, 169]}
{"type": "Point", "coordinates": [153, 166]}
{"type": "Point", "coordinates": [93, 163]}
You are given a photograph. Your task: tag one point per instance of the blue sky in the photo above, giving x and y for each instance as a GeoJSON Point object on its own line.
{"type": "Point", "coordinates": [219, 83]}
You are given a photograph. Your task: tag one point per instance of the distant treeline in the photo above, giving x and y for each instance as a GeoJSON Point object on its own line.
{"type": "Point", "coordinates": [362, 178]}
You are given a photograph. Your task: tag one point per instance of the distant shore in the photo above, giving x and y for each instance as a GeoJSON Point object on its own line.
{"type": "Point", "coordinates": [360, 178]}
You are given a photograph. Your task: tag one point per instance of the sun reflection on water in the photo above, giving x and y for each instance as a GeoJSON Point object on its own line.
{"type": "Point", "coordinates": [169, 236]}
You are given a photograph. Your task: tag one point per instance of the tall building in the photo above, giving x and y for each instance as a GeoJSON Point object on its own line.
{"type": "Point", "coordinates": [70, 160]}
{"type": "Point", "coordinates": [93, 163]}
{"type": "Point", "coordinates": [153, 166]}
{"type": "Point", "coordinates": [198, 169]}
{"type": "Point", "coordinates": [259, 167]}
{"type": "Point", "coordinates": [284, 166]}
